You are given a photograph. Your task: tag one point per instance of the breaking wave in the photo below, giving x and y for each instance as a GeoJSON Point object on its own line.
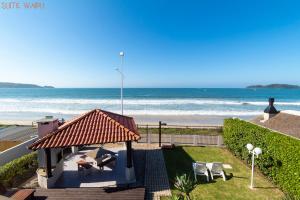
{"type": "Point", "coordinates": [136, 112]}
{"type": "Point", "coordinates": [145, 102]}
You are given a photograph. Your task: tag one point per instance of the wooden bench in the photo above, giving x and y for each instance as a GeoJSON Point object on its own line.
{"type": "Point", "coordinates": [24, 194]}
{"type": "Point", "coordinates": [91, 193]}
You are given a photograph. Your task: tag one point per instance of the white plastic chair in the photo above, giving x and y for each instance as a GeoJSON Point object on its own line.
{"type": "Point", "coordinates": [200, 169]}
{"type": "Point", "coordinates": [217, 170]}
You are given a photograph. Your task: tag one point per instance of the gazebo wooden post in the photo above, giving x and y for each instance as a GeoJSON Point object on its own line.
{"type": "Point", "coordinates": [48, 162]}
{"type": "Point", "coordinates": [129, 171]}
{"type": "Point", "coordinates": [129, 154]}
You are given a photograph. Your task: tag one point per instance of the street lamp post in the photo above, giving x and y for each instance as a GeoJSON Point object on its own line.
{"type": "Point", "coordinates": [122, 78]}
{"type": "Point", "coordinates": [254, 151]}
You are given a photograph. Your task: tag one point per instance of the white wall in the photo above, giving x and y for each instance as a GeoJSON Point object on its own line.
{"type": "Point", "coordinates": [16, 151]}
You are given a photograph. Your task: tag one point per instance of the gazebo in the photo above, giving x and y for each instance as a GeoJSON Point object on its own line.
{"type": "Point", "coordinates": [94, 127]}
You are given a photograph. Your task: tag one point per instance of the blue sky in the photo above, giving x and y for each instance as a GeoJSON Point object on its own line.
{"type": "Point", "coordinates": [166, 43]}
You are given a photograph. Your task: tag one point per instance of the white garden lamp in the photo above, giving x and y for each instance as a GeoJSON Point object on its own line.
{"type": "Point", "coordinates": [256, 151]}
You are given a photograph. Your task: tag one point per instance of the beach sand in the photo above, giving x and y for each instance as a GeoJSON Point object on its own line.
{"type": "Point", "coordinates": [16, 122]}
{"type": "Point", "coordinates": [196, 120]}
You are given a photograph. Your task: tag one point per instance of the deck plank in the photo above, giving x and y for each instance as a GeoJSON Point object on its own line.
{"type": "Point", "coordinates": [90, 193]}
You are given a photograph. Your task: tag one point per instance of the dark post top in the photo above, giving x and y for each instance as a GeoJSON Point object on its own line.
{"type": "Point", "coordinates": [271, 101]}
{"type": "Point", "coordinates": [271, 109]}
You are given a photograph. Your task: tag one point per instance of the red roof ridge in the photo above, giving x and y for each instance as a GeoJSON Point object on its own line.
{"type": "Point", "coordinates": [114, 113]}
{"type": "Point", "coordinates": [75, 119]}
{"type": "Point", "coordinates": [117, 123]}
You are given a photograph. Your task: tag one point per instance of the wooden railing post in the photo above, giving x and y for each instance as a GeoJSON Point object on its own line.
{"type": "Point", "coordinates": [148, 135]}
{"type": "Point", "coordinates": [220, 140]}
{"type": "Point", "coordinates": [159, 133]}
{"type": "Point", "coordinates": [195, 140]}
{"type": "Point", "coordinates": [172, 139]}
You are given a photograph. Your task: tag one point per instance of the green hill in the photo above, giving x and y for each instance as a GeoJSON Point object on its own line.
{"type": "Point", "coordinates": [286, 86]}
{"type": "Point", "coordinates": [21, 85]}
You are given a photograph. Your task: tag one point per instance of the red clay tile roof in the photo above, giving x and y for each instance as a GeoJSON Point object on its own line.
{"type": "Point", "coordinates": [95, 127]}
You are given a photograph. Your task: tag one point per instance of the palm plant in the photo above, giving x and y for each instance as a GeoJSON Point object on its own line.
{"type": "Point", "coordinates": [185, 185]}
{"type": "Point", "coordinates": [175, 197]}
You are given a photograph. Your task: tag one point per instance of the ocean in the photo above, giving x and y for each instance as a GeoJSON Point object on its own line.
{"type": "Point", "coordinates": [32, 104]}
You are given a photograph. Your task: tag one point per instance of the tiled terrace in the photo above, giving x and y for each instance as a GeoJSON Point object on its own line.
{"type": "Point", "coordinates": [72, 178]}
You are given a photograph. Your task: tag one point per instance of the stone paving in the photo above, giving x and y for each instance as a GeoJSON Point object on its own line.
{"type": "Point", "coordinates": [156, 177]}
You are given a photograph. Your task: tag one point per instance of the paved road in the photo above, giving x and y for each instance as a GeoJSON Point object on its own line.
{"type": "Point", "coordinates": [17, 133]}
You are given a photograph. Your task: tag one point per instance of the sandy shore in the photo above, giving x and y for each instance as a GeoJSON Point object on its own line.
{"type": "Point", "coordinates": [16, 122]}
{"type": "Point", "coordinates": [195, 120]}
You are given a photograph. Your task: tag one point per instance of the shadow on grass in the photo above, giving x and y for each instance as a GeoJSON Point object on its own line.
{"type": "Point", "coordinates": [241, 177]}
{"type": "Point", "coordinates": [201, 180]}
{"type": "Point", "coordinates": [178, 162]}
{"type": "Point", "coordinates": [265, 187]}
{"type": "Point", "coordinates": [230, 176]}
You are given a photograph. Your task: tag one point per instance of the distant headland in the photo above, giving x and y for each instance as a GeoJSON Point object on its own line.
{"type": "Point", "coordinates": [21, 85]}
{"type": "Point", "coordinates": [285, 86]}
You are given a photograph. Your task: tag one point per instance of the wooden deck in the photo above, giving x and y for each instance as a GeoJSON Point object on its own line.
{"type": "Point", "coordinates": [90, 193]}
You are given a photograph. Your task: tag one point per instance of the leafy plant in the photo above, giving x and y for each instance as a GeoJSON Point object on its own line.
{"type": "Point", "coordinates": [176, 197]}
{"type": "Point", "coordinates": [280, 159]}
{"type": "Point", "coordinates": [17, 167]}
{"type": "Point", "coordinates": [184, 185]}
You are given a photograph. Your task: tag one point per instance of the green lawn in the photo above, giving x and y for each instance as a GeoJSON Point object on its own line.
{"type": "Point", "coordinates": [179, 161]}
{"type": "Point", "coordinates": [187, 131]}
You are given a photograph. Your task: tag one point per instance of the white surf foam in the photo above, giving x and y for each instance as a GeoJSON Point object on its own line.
{"type": "Point", "coordinates": [137, 112]}
{"type": "Point", "coordinates": [145, 102]}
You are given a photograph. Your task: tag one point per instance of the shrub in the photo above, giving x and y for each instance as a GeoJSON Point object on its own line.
{"type": "Point", "coordinates": [17, 167]}
{"type": "Point", "coordinates": [280, 159]}
{"type": "Point", "coordinates": [185, 185]}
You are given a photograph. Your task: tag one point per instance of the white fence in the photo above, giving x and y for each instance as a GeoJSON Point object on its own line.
{"type": "Point", "coordinates": [16, 151]}
{"type": "Point", "coordinates": [195, 140]}
{"type": "Point", "coordinates": [182, 135]}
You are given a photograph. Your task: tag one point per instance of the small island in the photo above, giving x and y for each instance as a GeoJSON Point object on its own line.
{"type": "Point", "coordinates": [21, 85]}
{"type": "Point", "coordinates": [274, 86]}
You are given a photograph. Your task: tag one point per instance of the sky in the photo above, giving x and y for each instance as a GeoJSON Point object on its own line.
{"type": "Point", "coordinates": [201, 43]}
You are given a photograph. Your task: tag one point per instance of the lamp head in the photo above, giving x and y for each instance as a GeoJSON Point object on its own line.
{"type": "Point", "coordinates": [257, 151]}
{"type": "Point", "coordinates": [122, 53]}
{"type": "Point", "coordinates": [249, 147]}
